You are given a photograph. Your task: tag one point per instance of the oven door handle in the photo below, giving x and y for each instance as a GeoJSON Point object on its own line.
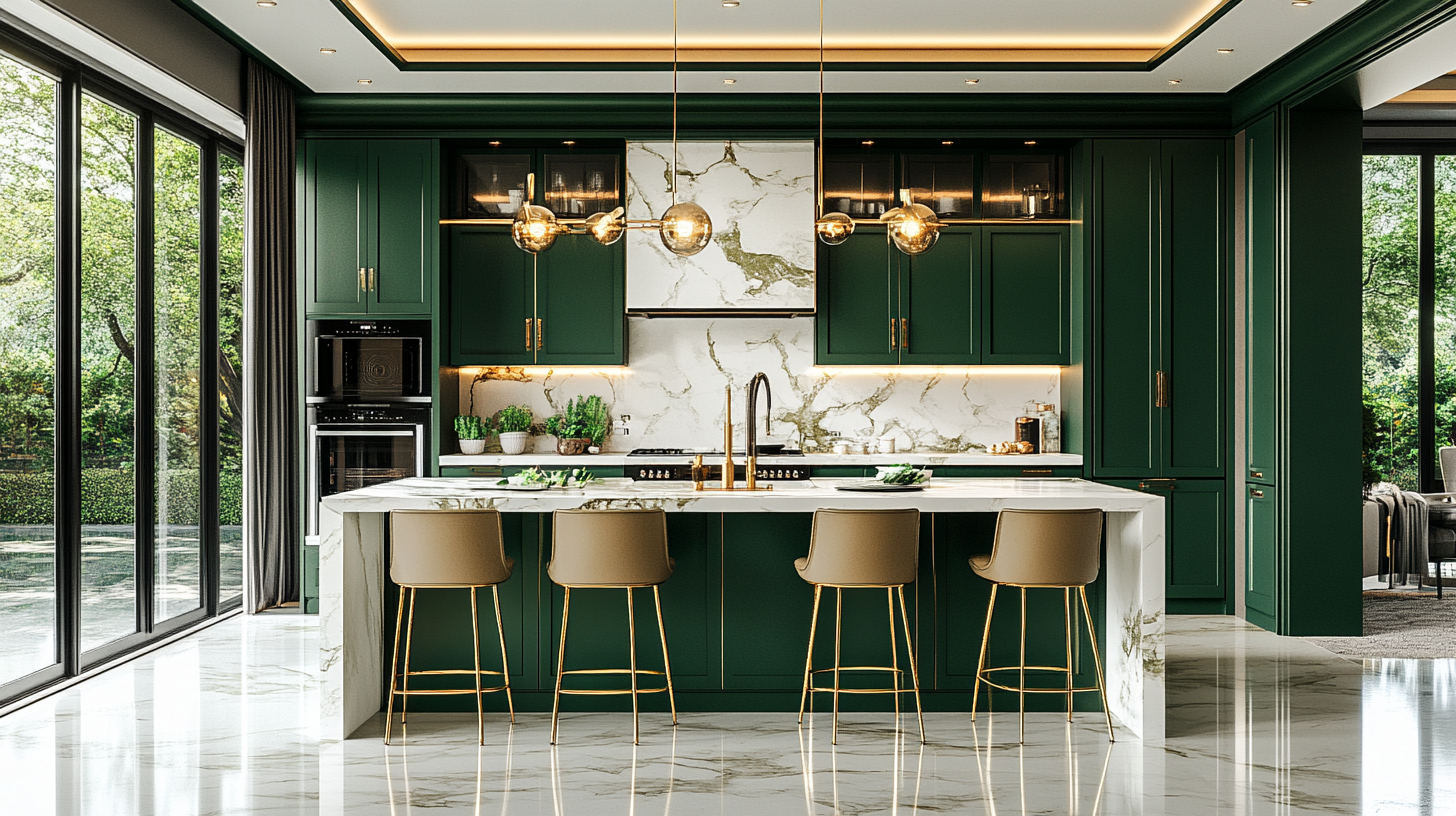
{"type": "Point", "coordinates": [364, 433]}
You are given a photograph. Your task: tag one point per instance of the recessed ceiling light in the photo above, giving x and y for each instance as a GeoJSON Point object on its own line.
{"type": "Point", "coordinates": [947, 142]}
{"type": "Point", "coordinates": [495, 144]}
{"type": "Point", "coordinates": [267, 3]}
{"type": "Point", "coordinates": [569, 142]}
{"type": "Point", "coordinates": [730, 82]}
{"type": "Point", "coordinates": [1029, 142]}
{"type": "Point", "coordinates": [972, 81]}
{"type": "Point", "coordinates": [327, 51]}
{"type": "Point", "coordinates": [1225, 50]}
{"type": "Point", "coordinates": [365, 81]}
{"type": "Point", "coordinates": [1301, 3]}
{"type": "Point", "coordinates": [1175, 82]}
{"type": "Point", "coordinates": [867, 142]}
{"type": "Point", "coordinates": [730, 3]}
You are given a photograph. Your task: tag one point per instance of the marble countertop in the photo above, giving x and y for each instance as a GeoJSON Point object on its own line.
{"type": "Point", "coordinates": [939, 495]}
{"type": "Point", "coordinates": [554, 460]}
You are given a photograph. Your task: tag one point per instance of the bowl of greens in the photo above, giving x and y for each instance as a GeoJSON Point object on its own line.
{"type": "Point", "coordinates": [538, 478]}
{"type": "Point", "coordinates": [902, 474]}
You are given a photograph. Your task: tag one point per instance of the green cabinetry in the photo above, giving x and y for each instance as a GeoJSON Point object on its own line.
{"type": "Point", "coordinates": [1199, 560]}
{"type": "Point", "coordinates": [1261, 555]}
{"type": "Point", "coordinates": [368, 240]}
{"type": "Point", "coordinates": [1026, 291]}
{"type": "Point", "coordinates": [1261, 293]}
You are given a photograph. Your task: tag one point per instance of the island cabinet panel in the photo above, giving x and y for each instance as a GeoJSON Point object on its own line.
{"type": "Point", "coordinates": [1196, 541]}
{"type": "Point", "coordinates": [492, 299]}
{"type": "Point", "coordinates": [1026, 291]}
{"type": "Point", "coordinates": [766, 605]}
{"type": "Point", "coordinates": [938, 302]}
{"type": "Point", "coordinates": [960, 604]}
{"type": "Point", "coordinates": [858, 293]}
{"type": "Point", "coordinates": [369, 226]}
{"type": "Point", "coordinates": [581, 302]}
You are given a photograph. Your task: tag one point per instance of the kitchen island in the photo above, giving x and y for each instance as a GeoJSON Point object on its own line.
{"type": "Point", "coordinates": [736, 629]}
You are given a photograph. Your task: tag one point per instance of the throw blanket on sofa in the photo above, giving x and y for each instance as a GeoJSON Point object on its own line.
{"type": "Point", "coordinates": [1406, 517]}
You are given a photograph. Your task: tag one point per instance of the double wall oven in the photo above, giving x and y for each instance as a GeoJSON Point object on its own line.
{"type": "Point", "coordinates": [369, 404]}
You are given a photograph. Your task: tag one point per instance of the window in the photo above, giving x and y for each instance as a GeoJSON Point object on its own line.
{"type": "Point", "coordinates": [121, 313]}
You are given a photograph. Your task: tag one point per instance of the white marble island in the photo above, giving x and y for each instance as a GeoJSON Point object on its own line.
{"type": "Point", "coordinates": [352, 570]}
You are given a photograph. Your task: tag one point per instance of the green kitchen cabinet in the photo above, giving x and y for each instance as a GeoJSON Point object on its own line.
{"type": "Point", "coordinates": [565, 306]}
{"type": "Point", "coordinates": [369, 226]}
{"type": "Point", "coordinates": [1025, 295]}
{"type": "Point", "coordinates": [858, 293]}
{"type": "Point", "coordinates": [938, 302]}
{"type": "Point", "coordinates": [1197, 552]}
{"type": "Point", "coordinates": [1261, 293]}
{"type": "Point", "coordinates": [1261, 556]}
{"type": "Point", "coordinates": [1159, 315]}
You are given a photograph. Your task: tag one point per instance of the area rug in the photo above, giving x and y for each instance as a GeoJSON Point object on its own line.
{"type": "Point", "coordinates": [1401, 624]}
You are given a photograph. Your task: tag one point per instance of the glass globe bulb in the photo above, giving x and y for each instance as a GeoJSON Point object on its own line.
{"type": "Point", "coordinates": [534, 228]}
{"type": "Point", "coordinates": [686, 229]}
{"type": "Point", "coordinates": [606, 228]}
{"type": "Point", "coordinates": [912, 227]}
{"type": "Point", "coordinates": [834, 228]}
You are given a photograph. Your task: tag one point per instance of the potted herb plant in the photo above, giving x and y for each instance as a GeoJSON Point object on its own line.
{"type": "Point", "coordinates": [581, 426]}
{"type": "Point", "coordinates": [472, 432]}
{"type": "Point", "coordinates": [513, 424]}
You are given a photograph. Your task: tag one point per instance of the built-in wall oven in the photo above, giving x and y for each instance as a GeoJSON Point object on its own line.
{"type": "Point", "coordinates": [369, 405]}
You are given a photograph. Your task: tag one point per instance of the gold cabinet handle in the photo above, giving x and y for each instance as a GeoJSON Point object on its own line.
{"type": "Point", "coordinates": [893, 346]}
{"type": "Point", "coordinates": [363, 280]}
{"type": "Point", "coordinates": [1161, 399]}
{"type": "Point", "coordinates": [528, 334]}
{"type": "Point", "coordinates": [539, 321]}
{"type": "Point", "coordinates": [373, 279]}
{"type": "Point", "coordinates": [1157, 484]}
{"type": "Point", "coordinates": [1256, 474]}
{"type": "Point", "coordinates": [905, 333]}
{"type": "Point", "coordinates": [1256, 493]}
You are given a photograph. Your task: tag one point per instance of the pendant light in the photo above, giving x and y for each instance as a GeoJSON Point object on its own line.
{"type": "Point", "coordinates": [534, 228]}
{"type": "Point", "coordinates": [685, 227]}
{"type": "Point", "coordinates": [912, 227]}
{"type": "Point", "coordinates": [832, 228]}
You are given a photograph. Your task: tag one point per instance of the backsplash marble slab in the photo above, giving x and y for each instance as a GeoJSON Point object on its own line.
{"type": "Point", "coordinates": [760, 196]}
{"type": "Point", "coordinates": [673, 390]}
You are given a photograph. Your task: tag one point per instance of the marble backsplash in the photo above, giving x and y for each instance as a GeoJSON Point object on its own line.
{"type": "Point", "coordinates": [673, 389]}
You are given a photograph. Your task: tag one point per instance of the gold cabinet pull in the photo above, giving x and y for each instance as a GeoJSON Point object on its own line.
{"type": "Point", "coordinates": [1256, 493]}
{"type": "Point", "coordinates": [892, 335]}
{"type": "Point", "coordinates": [539, 321]}
{"type": "Point", "coordinates": [1161, 398]}
{"type": "Point", "coordinates": [363, 280]}
{"type": "Point", "coordinates": [1256, 474]}
{"type": "Point", "coordinates": [1157, 484]}
{"type": "Point", "coordinates": [528, 334]}
{"type": "Point", "coordinates": [905, 333]}
{"type": "Point", "coordinates": [373, 280]}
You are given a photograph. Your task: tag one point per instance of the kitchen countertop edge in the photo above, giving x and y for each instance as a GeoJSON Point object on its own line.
{"type": "Point", "coordinates": [610, 459]}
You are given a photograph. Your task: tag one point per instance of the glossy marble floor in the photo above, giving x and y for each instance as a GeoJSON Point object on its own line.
{"type": "Point", "coordinates": [225, 722]}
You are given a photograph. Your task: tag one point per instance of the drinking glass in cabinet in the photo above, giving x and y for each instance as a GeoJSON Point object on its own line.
{"type": "Point", "coordinates": [945, 184]}
{"type": "Point", "coordinates": [580, 185]}
{"type": "Point", "coordinates": [859, 186]}
{"type": "Point", "coordinates": [1024, 186]}
{"type": "Point", "coordinates": [491, 185]}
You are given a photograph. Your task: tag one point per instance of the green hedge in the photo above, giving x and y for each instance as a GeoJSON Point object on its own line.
{"type": "Point", "coordinates": [26, 498]}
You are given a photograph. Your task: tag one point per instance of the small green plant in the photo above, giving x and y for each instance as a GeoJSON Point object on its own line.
{"type": "Point", "coordinates": [513, 419]}
{"type": "Point", "coordinates": [469, 426]}
{"type": "Point", "coordinates": [584, 418]}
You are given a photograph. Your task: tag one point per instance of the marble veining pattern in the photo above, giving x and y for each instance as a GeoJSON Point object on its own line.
{"type": "Point", "coordinates": [225, 723]}
{"type": "Point", "coordinates": [678, 368]}
{"type": "Point", "coordinates": [760, 196]}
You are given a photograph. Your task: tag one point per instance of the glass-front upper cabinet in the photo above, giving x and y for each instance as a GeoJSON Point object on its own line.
{"type": "Point", "coordinates": [491, 184]}
{"type": "Point", "coordinates": [1024, 185]}
{"type": "Point", "coordinates": [579, 184]}
{"type": "Point", "coordinates": [860, 186]}
{"type": "Point", "coordinates": [945, 184]}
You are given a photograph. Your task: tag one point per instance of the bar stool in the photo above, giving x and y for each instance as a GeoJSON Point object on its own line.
{"type": "Point", "coordinates": [1055, 549]}
{"type": "Point", "coordinates": [446, 549]}
{"type": "Point", "coordinates": [862, 549]}
{"type": "Point", "coordinates": [611, 549]}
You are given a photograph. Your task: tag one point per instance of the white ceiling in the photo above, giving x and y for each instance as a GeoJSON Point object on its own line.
{"type": "Point", "coordinates": [1259, 31]}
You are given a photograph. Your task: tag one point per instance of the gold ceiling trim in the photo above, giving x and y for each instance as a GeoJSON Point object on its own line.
{"type": "Point", "coordinates": [773, 55]}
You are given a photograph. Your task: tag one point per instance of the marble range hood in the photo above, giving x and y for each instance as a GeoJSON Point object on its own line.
{"type": "Point", "coordinates": [760, 262]}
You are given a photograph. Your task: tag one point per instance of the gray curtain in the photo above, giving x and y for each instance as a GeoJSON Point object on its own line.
{"type": "Point", "coordinates": [272, 523]}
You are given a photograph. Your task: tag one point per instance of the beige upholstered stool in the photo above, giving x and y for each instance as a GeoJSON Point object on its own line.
{"type": "Point", "coordinates": [862, 549]}
{"type": "Point", "coordinates": [611, 549]}
{"type": "Point", "coordinates": [453, 549]}
{"type": "Point", "coordinates": [1042, 548]}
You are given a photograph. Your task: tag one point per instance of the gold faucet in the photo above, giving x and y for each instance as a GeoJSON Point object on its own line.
{"type": "Point", "coordinates": [728, 439]}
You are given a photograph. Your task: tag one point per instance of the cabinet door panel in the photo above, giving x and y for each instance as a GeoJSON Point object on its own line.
{"type": "Point", "coordinates": [1127, 235]}
{"type": "Point", "coordinates": [856, 301]}
{"type": "Point", "coordinates": [938, 300]}
{"type": "Point", "coordinates": [1197, 540]}
{"type": "Point", "coordinates": [580, 286]}
{"type": "Point", "coordinates": [1025, 290]}
{"type": "Point", "coordinates": [335, 233]}
{"type": "Point", "coordinates": [766, 605]}
{"type": "Point", "coordinates": [403, 226]}
{"type": "Point", "coordinates": [1261, 524]}
{"type": "Point", "coordinates": [491, 298]}
{"type": "Point", "coordinates": [1194, 294]}
{"type": "Point", "coordinates": [1261, 221]}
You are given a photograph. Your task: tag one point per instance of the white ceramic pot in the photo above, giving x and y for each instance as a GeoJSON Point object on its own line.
{"type": "Point", "coordinates": [514, 442]}
{"type": "Point", "coordinates": [472, 447]}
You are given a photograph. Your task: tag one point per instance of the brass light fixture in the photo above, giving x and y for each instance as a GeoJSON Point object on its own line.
{"type": "Point", "coordinates": [685, 228]}
{"type": "Point", "coordinates": [534, 228]}
{"type": "Point", "coordinates": [832, 228]}
{"type": "Point", "coordinates": [913, 228]}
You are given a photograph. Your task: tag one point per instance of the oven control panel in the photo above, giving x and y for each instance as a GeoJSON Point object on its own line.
{"type": "Point", "coordinates": [684, 473]}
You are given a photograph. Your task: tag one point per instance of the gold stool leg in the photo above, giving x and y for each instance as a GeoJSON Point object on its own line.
{"type": "Point", "coordinates": [500, 628]}
{"type": "Point", "coordinates": [409, 630]}
{"type": "Point", "coordinates": [914, 672]}
{"type": "Point", "coordinates": [475, 642]}
{"type": "Point", "coordinates": [1067, 613]}
{"type": "Point", "coordinates": [632, 646]}
{"type": "Point", "coordinates": [394, 668]}
{"type": "Point", "coordinates": [838, 616]}
{"type": "Point", "coordinates": [804, 696]}
{"type": "Point", "coordinates": [894, 653]}
{"type": "Point", "coordinates": [1097, 662]}
{"type": "Point", "coordinates": [1021, 686]}
{"type": "Point", "coordinates": [666, 663]}
{"type": "Point", "coordinates": [981, 664]}
{"type": "Point", "coordinates": [560, 663]}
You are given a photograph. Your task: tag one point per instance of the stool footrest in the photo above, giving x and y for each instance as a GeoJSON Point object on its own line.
{"type": "Point", "coordinates": [613, 671]}
{"type": "Point", "coordinates": [860, 668]}
{"type": "Point", "coordinates": [413, 692]}
{"type": "Point", "coordinates": [612, 691]}
{"type": "Point", "coordinates": [447, 671]}
{"type": "Point", "coordinates": [863, 691]}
